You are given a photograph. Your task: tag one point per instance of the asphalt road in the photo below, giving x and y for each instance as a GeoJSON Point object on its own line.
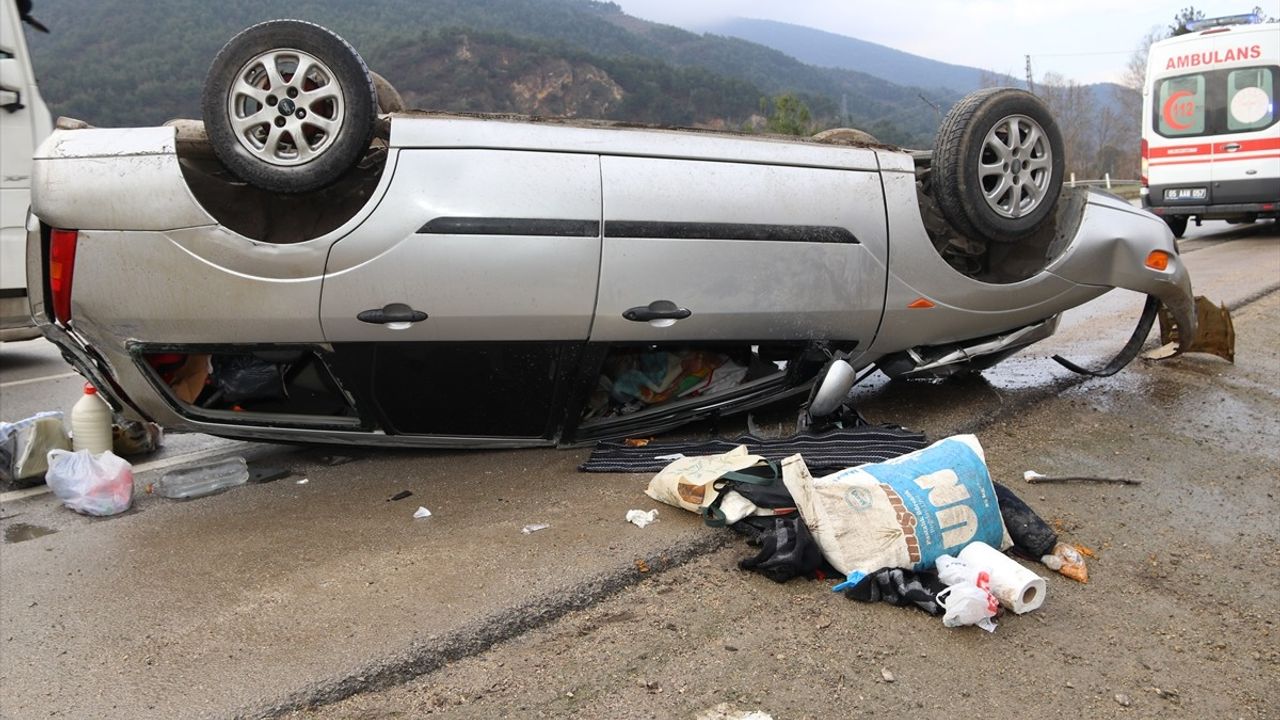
{"type": "Point", "coordinates": [271, 599]}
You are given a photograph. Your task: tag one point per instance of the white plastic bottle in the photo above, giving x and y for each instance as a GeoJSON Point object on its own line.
{"type": "Point", "coordinates": [91, 422]}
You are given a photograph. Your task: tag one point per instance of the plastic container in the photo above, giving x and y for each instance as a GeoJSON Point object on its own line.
{"type": "Point", "coordinates": [196, 481]}
{"type": "Point", "coordinates": [91, 422]}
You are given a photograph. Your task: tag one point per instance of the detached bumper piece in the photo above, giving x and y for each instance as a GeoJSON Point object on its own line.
{"type": "Point", "coordinates": [1215, 333]}
{"type": "Point", "coordinates": [1130, 349]}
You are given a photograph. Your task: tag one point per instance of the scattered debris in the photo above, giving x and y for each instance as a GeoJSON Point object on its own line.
{"type": "Point", "coordinates": [99, 484]}
{"type": "Point", "coordinates": [533, 528]}
{"type": "Point", "coordinates": [134, 437]}
{"type": "Point", "coordinates": [1215, 333]}
{"type": "Point", "coordinates": [1035, 478]}
{"type": "Point", "coordinates": [1164, 693]}
{"type": "Point", "coordinates": [1166, 350]}
{"type": "Point", "coordinates": [669, 458]}
{"type": "Point", "coordinates": [400, 495]}
{"type": "Point", "coordinates": [725, 711]}
{"type": "Point", "coordinates": [641, 565]}
{"type": "Point", "coordinates": [640, 518]}
{"type": "Point", "coordinates": [195, 481]}
{"type": "Point", "coordinates": [303, 481]}
{"type": "Point", "coordinates": [262, 474]}
{"type": "Point", "coordinates": [888, 676]}
{"type": "Point", "coordinates": [1123, 700]}
{"type": "Point", "coordinates": [334, 460]}
{"type": "Point", "coordinates": [1067, 560]}
{"type": "Point", "coordinates": [420, 513]}
{"type": "Point", "coordinates": [637, 442]}
{"type": "Point", "coordinates": [25, 445]}
{"type": "Point", "coordinates": [967, 598]}
{"type": "Point", "coordinates": [861, 516]}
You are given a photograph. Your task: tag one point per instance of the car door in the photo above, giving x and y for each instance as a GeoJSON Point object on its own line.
{"type": "Point", "coordinates": [1246, 157]}
{"type": "Point", "coordinates": [456, 308]}
{"type": "Point", "coordinates": [707, 250]}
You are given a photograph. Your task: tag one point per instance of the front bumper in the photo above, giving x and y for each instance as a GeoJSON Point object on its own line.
{"type": "Point", "coordinates": [1113, 248]}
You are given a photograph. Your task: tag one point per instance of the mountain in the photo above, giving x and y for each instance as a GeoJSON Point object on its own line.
{"type": "Point", "coordinates": [825, 49]}
{"type": "Point", "coordinates": [125, 62]}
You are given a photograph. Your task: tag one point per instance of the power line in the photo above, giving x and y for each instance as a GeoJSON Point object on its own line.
{"type": "Point", "coordinates": [1082, 54]}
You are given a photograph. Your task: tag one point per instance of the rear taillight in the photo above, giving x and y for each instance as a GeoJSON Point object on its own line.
{"type": "Point", "coordinates": [1145, 154]}
{"type": "Point", "coordinates": [62, 263]}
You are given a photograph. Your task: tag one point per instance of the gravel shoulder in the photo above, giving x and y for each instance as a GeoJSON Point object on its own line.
{"type": "Point", "coordinates": [1176, 621]}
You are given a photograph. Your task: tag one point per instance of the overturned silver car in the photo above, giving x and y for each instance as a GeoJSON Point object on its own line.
{"type": "Point", "coordinates": [305, 265]}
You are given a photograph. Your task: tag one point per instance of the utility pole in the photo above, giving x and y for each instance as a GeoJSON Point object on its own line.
{"type": "Point", "coordinates": [1031, 82]}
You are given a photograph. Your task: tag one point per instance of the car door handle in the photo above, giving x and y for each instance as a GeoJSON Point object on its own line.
{"type": "Point", "coordinates": [1231, 147]}
{"type": "Point", "coordinates": [659, 313]}
{"type": "Point", "coordinates": [396, 315]}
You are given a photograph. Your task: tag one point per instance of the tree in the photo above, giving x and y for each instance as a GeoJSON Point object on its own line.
{"type": "Point", "coordinates": [789, 116]}
{"type": "Point", "coordinates": [1184, 16]}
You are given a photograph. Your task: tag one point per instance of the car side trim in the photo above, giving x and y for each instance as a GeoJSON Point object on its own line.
{"type": "Point", "coordinates": [543, 227]}
{"type": "Point", "coordinates": [728, 231]}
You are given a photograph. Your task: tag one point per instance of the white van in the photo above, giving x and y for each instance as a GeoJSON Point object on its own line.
{"type": "Point", "coordinates": [1210, 136]}
{"type": "Point", "coordinates": [24, 124]}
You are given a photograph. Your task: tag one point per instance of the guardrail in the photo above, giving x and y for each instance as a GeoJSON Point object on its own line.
{"type": "Point", "coordinates": [1107, 181]}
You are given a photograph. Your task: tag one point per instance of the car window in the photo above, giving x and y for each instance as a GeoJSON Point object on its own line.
{"type": "Point", "coordinates": [1181, 106]}
{"type": "Point", "coordinates": [1250, 99]}
{"type": "Point", "coordinates": [1216, 101]}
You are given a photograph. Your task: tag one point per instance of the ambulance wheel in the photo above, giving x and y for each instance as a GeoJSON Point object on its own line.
{"type": "Point", "coordinates": [998, 164]}
{"type": "Point", "coordinates": [1176, 223]}
{"type": "Point", "coordinates": [289, 106]}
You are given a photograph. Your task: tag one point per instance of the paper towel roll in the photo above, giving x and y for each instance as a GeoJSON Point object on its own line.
{"type": "Point", "coordinates": [1016, 587]}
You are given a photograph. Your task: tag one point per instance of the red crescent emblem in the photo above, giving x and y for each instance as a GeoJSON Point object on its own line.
{"type": "Point", "coordinates": [1168, 110]}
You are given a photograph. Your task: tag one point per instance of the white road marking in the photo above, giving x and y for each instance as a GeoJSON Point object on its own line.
{"type": "Point", "coordinates": [21, 494]}
{"type": "Point", "coordinates": [28, 381]}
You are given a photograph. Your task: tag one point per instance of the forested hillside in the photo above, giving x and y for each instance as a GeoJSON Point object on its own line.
{"type": "Point", "coordinates": [127, 62]}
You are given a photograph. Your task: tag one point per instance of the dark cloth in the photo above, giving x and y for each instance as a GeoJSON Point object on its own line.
{"type": "Point", "coordinates": [787, 549]}
{"type": "Point", "coordinates": [823, 452]}
{"type": "Point", "coordinates": [897, 587]}
{"type": "Point", "coordinates": [1031, 535]}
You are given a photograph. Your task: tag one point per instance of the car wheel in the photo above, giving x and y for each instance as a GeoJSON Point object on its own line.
{"type": "Point", "coordinates": [1176, 223]}
{"type": "Point", "coordinates": [998, 164]}
{"type": "Point", "coordinates": [389, 100]}
{"type": "Point", "coordinates": [289, 106]}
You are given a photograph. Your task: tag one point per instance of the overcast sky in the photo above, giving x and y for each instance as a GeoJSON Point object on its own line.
{"type": "Point", "coordinates": [1086, 40]}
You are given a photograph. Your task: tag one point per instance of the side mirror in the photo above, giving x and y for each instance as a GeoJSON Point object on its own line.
{"type": "Point", "coordinates": [833, 389]}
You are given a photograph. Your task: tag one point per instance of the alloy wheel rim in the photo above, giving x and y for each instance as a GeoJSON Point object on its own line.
{"type": "Point", "coordinates": [286, 107]}
{"type": "Point", "coordinates": [1015, 166]}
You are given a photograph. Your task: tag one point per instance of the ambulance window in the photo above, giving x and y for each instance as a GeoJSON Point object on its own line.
{"type": "Point", "coordinates": [1181, 108]}
{"type": "Point", "coordinates": [1250, 99]}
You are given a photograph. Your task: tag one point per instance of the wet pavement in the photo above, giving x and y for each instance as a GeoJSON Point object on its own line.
{"type": "Point", "coordinates": [278, 596]}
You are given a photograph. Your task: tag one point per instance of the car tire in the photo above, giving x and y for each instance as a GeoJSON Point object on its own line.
{"type": "Point", "coordinates": [998, 164]}
{"type": "Point", "coordinates": [1176, 223]}
{"type": "Point", "coordinates": [389, 100]}
{"type": "Point", "coordinates": [284, 130]}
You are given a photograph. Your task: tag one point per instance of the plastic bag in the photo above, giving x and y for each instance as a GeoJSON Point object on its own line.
{"type": "Point", "coordinates": [25, 444]}
{"type": "Point", "coordinates": [99, 484]}
{"type": "Point", "coordinates": [954, 571]}
{"type": "Point", "coordinates": [969, 602]}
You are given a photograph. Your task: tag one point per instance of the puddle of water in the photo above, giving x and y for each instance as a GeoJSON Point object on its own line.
{"type": "Point", "coordinates": [20, 532]}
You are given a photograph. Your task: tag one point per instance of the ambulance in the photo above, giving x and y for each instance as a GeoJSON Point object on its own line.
{"type": "Point", "coordinates": [1210, 130]}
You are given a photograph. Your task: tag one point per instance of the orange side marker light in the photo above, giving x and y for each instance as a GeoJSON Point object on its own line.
{"type": "Point", "coordinates": [1158, 260]}
{"type": "Point", "coordinates": [920, 303]}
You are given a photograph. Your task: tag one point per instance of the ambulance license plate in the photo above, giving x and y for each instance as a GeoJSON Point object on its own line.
{"type": "Point", "coordinates": [1186, 194]}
